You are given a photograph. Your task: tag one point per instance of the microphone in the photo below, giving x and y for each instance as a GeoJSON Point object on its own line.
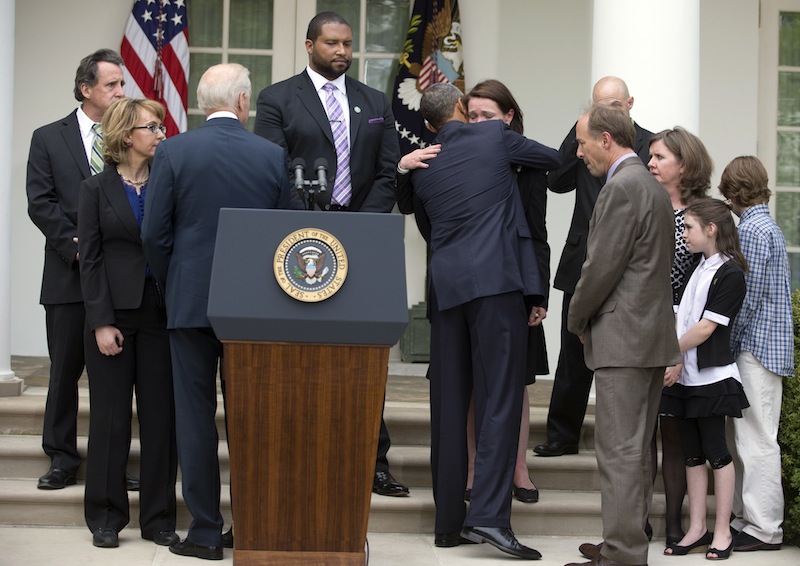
{"type": "Point", "coordinates": [321, 167]}
{"type": "Point", "coordinates": [299, 166]}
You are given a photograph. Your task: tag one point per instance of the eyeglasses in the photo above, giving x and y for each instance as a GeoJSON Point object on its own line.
{"type": "Point", "coordinates": [153, 128]}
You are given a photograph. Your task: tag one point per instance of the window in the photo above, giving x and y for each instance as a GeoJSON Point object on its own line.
{"type": "Point", "coordinates": [779, 139]}
{"type": "Point", "coordinates": [267, 36]}
{"type": "Point", "coordinates": [234, 31]}
{"type": "Point", "coordinates": [379, 32]}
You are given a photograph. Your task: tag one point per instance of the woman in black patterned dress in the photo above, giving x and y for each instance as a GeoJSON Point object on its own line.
{"type": "Point", "coordinates": [681, 163]}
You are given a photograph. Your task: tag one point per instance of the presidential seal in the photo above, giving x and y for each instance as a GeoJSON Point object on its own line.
{"type": "Point", "coordinates": [310, 265]}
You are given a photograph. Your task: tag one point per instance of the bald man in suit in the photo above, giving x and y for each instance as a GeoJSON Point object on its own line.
{"type": "Point", "coordinates": [573, 380]}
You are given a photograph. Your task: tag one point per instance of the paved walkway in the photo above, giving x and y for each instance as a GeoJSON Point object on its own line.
{"type": "Point", "coordinates": [73, 547]}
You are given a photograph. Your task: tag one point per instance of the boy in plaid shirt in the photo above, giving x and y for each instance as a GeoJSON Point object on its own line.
{"type": "Point", "coordinates": [762, 343]}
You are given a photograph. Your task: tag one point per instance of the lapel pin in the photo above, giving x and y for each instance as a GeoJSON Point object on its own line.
{"type": "Point", "coordinates": [357, 110]}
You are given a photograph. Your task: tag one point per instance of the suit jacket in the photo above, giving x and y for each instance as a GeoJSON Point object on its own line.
{"type": "Point", "coordinates": [533, 192]}
{"type": "Point", "coordinates": [573, 175]}
{"type": "Point", "coordinates": [220, 164]}
{"type": "Point", "coordinates": [480, 241]}
{"type": "Point", "coordinates": [57, 164]}
{"type": "Point", "coordinates": [112, 263]}
{"type": "Point", "coordinates": [291, 114]}
{"type": "Point", "coordinates": [623, 300]}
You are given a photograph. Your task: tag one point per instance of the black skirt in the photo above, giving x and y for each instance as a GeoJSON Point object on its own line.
{"type": "Point", "coordinates": [723, 398]}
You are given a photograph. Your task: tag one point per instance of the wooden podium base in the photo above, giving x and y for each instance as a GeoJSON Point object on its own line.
{"type": "Point", "coordinates": [303, 423]}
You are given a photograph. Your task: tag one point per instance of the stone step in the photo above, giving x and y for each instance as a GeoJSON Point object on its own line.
{"type": "Point", "coordinates": [408, 422]}
{"type": "Point", "coordinates": [558, 512]}
{"type": "Point", "coordinates": [21, 457]}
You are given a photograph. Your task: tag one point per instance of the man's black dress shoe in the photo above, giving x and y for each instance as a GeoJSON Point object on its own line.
{"type": "Point", "coordinates": [227, 538]}
{"type": "Point", "coordinates": [131, 482]}
{"type": "Point", "coordinates": [56, 478]}
{"type": "Point", "coordinates": [526, 495]}
{"type": "Point", "coordinates": [385, 484]}
{"type": "Point", "coordinates": [448, 540]}
{"type": "Point", "coordinates": [105, 538]}
{"type": "Point", "coordinates": [188, 548]}
{"type": "Point", "coordinates": [164, 538]}
{"type": "Point", "coordinates": [555, 448]}
{"type": "Point", "coordinates": [501, 538]}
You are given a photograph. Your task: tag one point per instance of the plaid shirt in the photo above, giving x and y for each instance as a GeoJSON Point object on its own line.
{"type": "Point", "coordinates": [763, 326]}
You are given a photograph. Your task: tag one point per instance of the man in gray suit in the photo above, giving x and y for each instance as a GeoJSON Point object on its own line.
{"type": "Point", "coordinates": [622, 312]}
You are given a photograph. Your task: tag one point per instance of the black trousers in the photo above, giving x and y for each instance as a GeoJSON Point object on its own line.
{"type": "Point", "coordinates": [65, 346]}
{"type": "Point", "coordinates": [144, 365]}
{"type": "Point", "coordinates": [477, 349]}
{"type": "Point", "coordinates": [571, 386]}
{"type": "Point", "coordinates": [195, 359]}
{"type": "Point", "coordinates": [384, 443]}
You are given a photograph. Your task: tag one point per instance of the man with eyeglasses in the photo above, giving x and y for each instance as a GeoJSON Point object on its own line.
{"type": "Point", "coordinates": [63, 154]}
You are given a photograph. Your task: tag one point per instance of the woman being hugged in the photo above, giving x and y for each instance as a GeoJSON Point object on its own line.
{"type": "Point", "coordinates": [126, 343]}
{"type": "Point", "coordinates": [706, 387]}
{"type": "Point", "coordinates": [491, 100]}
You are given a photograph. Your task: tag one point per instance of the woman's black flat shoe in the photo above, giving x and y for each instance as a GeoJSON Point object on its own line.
{"type": "Point", "coordinates": [720, 554]}
{"type": "Point", "coordinates": [672, 541]}
{"type": "Point", "coordinates": [699, 545]}
{"type": "Point", "coordinates": [526, 495]}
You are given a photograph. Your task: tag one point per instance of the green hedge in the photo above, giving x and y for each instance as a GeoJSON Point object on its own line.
{"type": "Point", "coordinates": [789, 437]}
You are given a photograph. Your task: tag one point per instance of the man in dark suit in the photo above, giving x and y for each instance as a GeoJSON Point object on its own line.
{"type": "Point", "coordinates": [359, 145]}
{"type": "Point", "coordinates": [219, 164]}
{"type": "Point", "coordinates": [622, 313]}
{"type": "Point", "coordinates": [60, 158]}
{"type": "Point", "coordinates": [573, 379]}
{"type": "Point", "coordinates": [482, 268]}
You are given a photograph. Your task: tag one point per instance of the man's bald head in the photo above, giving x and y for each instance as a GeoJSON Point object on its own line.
{"type": "Point", "coordinates": [610, 90]}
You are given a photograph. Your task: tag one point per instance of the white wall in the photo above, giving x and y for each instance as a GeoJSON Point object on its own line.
{"type": "Point", "coordinates": [49, 44]}
{"type": "Point", "coordinates": [540, 48]}
{"type": "Point", "coordinates": [729, 51]}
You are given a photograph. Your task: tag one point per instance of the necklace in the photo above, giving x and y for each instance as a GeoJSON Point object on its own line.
{"type": "Point", "coordinates": [131, 181]}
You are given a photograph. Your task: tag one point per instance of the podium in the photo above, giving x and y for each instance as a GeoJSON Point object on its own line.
{"type": "Point", "coordinates": [307, 305]}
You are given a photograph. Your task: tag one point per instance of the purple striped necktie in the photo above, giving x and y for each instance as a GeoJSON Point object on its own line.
{"type": "Point", "coordinates": [342, 189]}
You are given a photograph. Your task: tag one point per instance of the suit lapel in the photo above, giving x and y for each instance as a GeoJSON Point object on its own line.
{"type": "Point", "coordinates": [71, 132]}
{"type": "Point", "coordinates": [111, 187]}
{"type": "Point", "coordinates": [310, 99]}
{"type": "Point", "coordinates": [355, 99]}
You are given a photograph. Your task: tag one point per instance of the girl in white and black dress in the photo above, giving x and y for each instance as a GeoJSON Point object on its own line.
{"type": "Point", "coordinates": [706, 387]}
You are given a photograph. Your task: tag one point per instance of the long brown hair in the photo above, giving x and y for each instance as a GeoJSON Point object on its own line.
{"type": "Point", "coordinates": [714, 211]}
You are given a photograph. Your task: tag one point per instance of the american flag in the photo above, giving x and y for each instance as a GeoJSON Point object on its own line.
{"type": "Point", "coordinates": [155, 49]}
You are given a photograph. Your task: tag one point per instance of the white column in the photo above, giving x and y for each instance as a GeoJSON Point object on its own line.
{"type": "Point", "coordinates": [654, 46]}
{"type": "Point", "coordinates": [9, 383]}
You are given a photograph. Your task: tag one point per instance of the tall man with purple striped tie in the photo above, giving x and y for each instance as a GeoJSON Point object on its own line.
{"type": "Point", "coordinates": [322, 113]}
